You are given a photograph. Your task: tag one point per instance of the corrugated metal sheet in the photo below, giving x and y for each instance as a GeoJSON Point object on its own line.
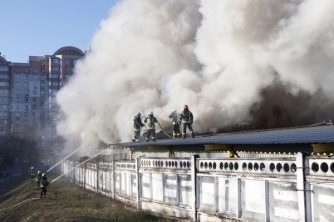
{"type": "Point", "coordinates": [306, 135]}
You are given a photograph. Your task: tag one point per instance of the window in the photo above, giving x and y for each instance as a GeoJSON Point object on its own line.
{"type": "Point", "coordinates": [17, 84]}
{"type": "Point", "coordinates": [17, 115]}
{"type": "Point", "coordinates": [17, 99]}
{"type": "Point", "coordinates": [42, 62]}
{"type": "Point", "coordinates": [35, 84]}
{"type": "Point", "coordinates": [25, 84]}
{"type": "Point", "coordinates": [17, 69]}
{"type": "Point", "coordinates": [34, 70]}
{"type": "Point", "coordinates": [53, 83]}
{"type": "Point", "coordinates": [4, 91]}
{"type": "Point", "coordinates": [42, 69]}
{"type": "Point", "coordinates": [35, 76]}
{"type": "Point", "coordinates": [26, 92]}
{"type": "Point", "coordinates": [3, 83]}
{"type": "Point", "coordinates": [34, 92]}
{"type": "Point", "coordinates": [67, 68]}
{"type": "Point", "coordinates": [42, 77]}
{"type": "Point", "coordinates": [67, 61]}
{"type": "Point", "coordinates": [54, 60]}
{"type": "Point", "coordinates": [53, 75]}
{"type": "Point", "coordinates": [73, 61]}
{"type": "Point", "coordinates": [72, 68]}
{"type": "Point", "coordinates": [42, 84]}
{"type": "Point", "coordinates": [54, 68]}
{"type": "Point", "coordinates": [3, 98]}
{"type": "Point", "coordinates": [4, 76]}
{"type": "Point", "coordinates": [3, 106]}
{"type": "Point", "coordinates": [3, 68]}
{"type": "Point", "coordinates": [3, 113]}
{"type": "Point", "coordinates": [25, 114]}
{"type": "Point", "coordinates": [53, 91]}
{"type": "Point", "coordinates": [17, 91]}
{"type": "Point", "coordinates": [51, 98]}
{"type": "Point", "coordinates": [26, 107]}
{"type": "Point", "coordinates": [26, 77]}
{"type": "Point", "coordinates": [26, 69]}
{"type": "Point", "coordinates": [26, 99]}
{"type": "Point", "coordinates": [33, 114]}
{"type": "Point", "coordinates": [3, 121]}
{"type": "Point", "coordinates": [42, 92]}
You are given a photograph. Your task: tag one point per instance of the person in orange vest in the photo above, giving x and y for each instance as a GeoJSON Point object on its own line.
{"type": "Point", "coordinates": [187, 119]}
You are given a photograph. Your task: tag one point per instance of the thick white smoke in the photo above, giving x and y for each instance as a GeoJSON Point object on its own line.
{"type": "Point", "coordinates": [215, 56]}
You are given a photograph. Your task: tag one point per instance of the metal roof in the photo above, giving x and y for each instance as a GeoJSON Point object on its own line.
{"type": "Point", "coordinates": [302, 135]}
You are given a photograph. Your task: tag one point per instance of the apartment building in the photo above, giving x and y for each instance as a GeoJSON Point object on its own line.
{"type": "Point", "coordinates": [28, 90]}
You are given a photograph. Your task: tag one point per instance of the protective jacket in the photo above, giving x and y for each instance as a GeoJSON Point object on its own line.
{"type": "Point", "coordinates": [186, 116]}
{"type": "Point", "coordinates": [137, 123]}
{"type": "Point", "coordinates": [175, 118]}
{"type": "Point", "coordinates": [44, 182]}
{"type": "Point", "coordinates": [150, 121]}
{"type": "Point", "coordinates": [32, 173]}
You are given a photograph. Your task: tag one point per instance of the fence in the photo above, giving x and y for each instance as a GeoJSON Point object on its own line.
{"type": "Point", "coordinates": [206, 189]}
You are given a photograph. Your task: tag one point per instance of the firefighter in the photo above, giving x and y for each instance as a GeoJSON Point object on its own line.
{"type": "Point", "coordinates": [176, 124]}
{"type": "Point", "coordinates": [32, 174]}
{"type": "Point", "coordinates": [187, 119]}
{"type": "Point", "coordinates": [44, 184]}
{"type": "Point", "coordinates": [150, 120]}
{"type": "Point", "coordinates": [137, 124]}
{"type": "Point", "coordinates": [38, 179]}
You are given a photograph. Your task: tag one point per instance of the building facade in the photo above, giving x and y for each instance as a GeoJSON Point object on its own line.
{"type": "Point", "coordinates": [28, 90]}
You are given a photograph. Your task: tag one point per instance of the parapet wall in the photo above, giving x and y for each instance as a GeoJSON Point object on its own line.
{"type": "Point", "coordinates": [207, 189]}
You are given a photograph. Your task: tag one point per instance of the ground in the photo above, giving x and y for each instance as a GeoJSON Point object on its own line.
{"type": "Point", "coordinates": [64, 202]}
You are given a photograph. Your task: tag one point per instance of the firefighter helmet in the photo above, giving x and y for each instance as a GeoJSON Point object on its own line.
{"type": "Point", "coordinates": [185, 106]}
{"type": "Point", "coordinates": [150, 113]}
{"type": "Point", "coordinates": [32, 168]}
{"type": "Point", "coordinates": [43, 174]}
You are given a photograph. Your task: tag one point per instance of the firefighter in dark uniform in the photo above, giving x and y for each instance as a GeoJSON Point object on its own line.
{"type": "Point", "coordinates": [137, 124]}
{"type": "Point", "coordinates": [44, 184]}
{"type": "Point", "coordinates": [150, 121]}
{"type": "Point", "coordinates": [176, 124]}
{"type": "Point", "coordinates": [32, 174]}
{"type": "Point", "coordinates": [187, 119]}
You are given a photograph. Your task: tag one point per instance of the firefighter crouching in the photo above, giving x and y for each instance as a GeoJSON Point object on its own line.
{"type": "Point", "coordinates": [137, 124]}
{"type": "Point", "coordinates": [176, 124]}
{"type": "Point", "coordinates": [187, 118]}
{"type": "Point", "coordinates": [150, 121]}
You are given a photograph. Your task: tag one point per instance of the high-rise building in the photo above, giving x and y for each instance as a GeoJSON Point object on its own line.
{"type": "Point", "coordinates": [27, 92]}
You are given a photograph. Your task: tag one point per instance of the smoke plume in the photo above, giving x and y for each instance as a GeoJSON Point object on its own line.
{"type": "Point", "coordinates": [234, 62]}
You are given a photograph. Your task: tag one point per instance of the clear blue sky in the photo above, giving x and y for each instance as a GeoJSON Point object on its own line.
{"type": "Point", "coordinates": [41, 27]}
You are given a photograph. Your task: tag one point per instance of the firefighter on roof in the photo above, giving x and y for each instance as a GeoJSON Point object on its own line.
{"type": "Point", "coordinates": [150, 121]}
{"type": "Point", "coordinates": [137, 124]}
{"type": "Point", "coordinates": [176, 124]}
{"type": "Point", "coordinates": [187, 119]}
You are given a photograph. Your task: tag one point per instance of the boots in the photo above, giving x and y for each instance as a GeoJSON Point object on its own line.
{"type": "Point", "coordinates": [192, 134]}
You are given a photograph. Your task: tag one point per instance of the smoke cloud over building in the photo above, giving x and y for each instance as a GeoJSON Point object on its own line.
{"type": "Point", "coordinates": [258, 64]}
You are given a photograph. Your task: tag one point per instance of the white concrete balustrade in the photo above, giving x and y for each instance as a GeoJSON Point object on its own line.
{"type": "Point", "coordinates": [205, 189]}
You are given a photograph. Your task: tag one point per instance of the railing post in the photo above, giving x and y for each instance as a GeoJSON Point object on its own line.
{"type": "Point", "coordinates": [138, 184]}
{"type": "Point", "coordinates": [300, 186]}
{"type": "Point", "coordinates": [194, 185]}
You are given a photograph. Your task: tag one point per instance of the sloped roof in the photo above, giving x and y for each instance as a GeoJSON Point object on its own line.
{"type": "Point", "coordinates": [303, 135]}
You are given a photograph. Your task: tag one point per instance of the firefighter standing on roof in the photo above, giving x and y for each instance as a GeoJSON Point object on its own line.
{"type": "Point", "coordinates": [137, 124]}
{"type": "Point", "coordinates": [150, 121]}
{"type": "Point", "coordinates": [176, 124]}
{"type": "Point", "coordinates": [187, 119]}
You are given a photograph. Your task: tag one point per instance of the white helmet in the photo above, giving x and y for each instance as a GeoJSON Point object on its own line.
{"type": "Point", "coordinates": [32, 168]}
{"type": "Point", "coordinates": [38, 172]}
{"type": "Point", "coordinates": [43, 174]}
{"type": "Point", "coordinates": [150, 113]}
